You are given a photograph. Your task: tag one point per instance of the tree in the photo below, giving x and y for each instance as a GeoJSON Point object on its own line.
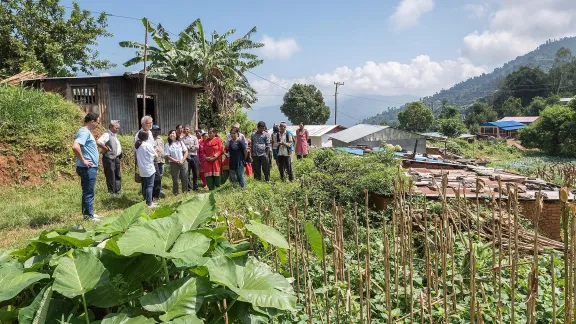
{"type": "Point", "coordinates": [448, 112]}
{"type": "Point", "coordinates": [36, 35]}
{"type": "Point", "coordinates": [213, 61]}
{"type": "Point", "coordinates": [535, 107]}
{"type": "Point", "coordinates": [525, 83]}
{"type": "Point", "coordinates": [559, 73]}
{"type": "Point", "coordinates": [304, 103]}
{"type": "Point", "coordinates": [478, 114]}
{"type": "Point", "coordinates": [416, 117]}
{"type": "Point", "coordinates": [552, 131]}
{"type": "Point", "coordinates": [451, 127]}
{"type": "Point", "coordinates": [512, 107]}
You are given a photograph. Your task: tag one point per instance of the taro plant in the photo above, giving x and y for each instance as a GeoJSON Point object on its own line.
{"type": "Point", "coordinates": [172, 266]}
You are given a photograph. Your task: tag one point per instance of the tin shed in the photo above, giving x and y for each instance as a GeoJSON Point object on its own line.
{"type": "Point", "coordinates": [374, 136]}
{"type": "Point", "coordinates": [120, 98]}
{"type": "Point", "coordinates": [319, 134]}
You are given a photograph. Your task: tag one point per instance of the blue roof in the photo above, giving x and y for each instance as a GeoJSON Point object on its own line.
{"type": "Point", "coordinates": [505, 125]}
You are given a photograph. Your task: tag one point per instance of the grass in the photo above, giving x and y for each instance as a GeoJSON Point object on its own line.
{"type": "Point", "coordinates": [27, 210]}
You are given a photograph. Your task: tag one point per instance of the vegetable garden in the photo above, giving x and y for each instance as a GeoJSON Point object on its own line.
{"type": "Point", "coordinates": [309, 252]}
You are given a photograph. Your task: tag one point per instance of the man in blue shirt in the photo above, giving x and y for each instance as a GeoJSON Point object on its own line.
{"type": "Point", "coordinates": [86, 152]}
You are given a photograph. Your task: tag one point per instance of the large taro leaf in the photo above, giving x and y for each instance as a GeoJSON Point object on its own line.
{"type": "Point", "coordinates": [77, 273]}
{"type": "Point", "coordinates": [196, 211]}
{"type": "Point", "coordinates": [268, 234]}
{"type": "Point", "coordinates": [179, 297]}
{"type": "Point", "coordinates": [123, 222]}
{"type": "Point", "coordinates": [74, 239]}
{"type": "Point", "coordinates": [153, 237]}
{"type": "Point", "coordinates": [189, 248]}
{"type": "Point", "coordinates": [13, 280]}
{"type": "Point", "coordinates": [126, 277]}
{"type": "Point", "coordinates": [188, 319]}
{"type": "Point", "coordinates": [243, 313]}
{"type": "Point", "coordinates": [36, 312]}
{"type": "Point", "coordinates": [122, 318]}
{"type": "Point", "coordinates": [254, 283]}
{"type": "Point", "coordinates": [8, 314]}
{"type": "Point", "coordinates": [315, 239]}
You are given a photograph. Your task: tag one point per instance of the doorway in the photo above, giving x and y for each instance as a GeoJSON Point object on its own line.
{"type": "Point", "coordinates": [150, 107]}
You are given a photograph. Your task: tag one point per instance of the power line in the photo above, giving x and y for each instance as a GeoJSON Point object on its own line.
{"type": "Point", "coordinates": [107, 14]}
{"type": "Point", "coordinates": [263, 78]}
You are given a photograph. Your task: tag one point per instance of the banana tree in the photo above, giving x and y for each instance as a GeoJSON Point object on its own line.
{"type": "Point", "coordinates": [210, 60]}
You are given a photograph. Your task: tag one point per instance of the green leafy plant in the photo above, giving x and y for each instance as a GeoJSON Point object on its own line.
{"type": "Point", "coordinates": [175, 268]}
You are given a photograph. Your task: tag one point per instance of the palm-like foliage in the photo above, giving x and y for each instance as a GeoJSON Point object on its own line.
{"type": "Point", "coordinates": [214, 62]}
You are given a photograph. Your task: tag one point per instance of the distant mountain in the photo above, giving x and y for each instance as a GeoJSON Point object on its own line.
{"type": "Point", "coordinates": [467, 92]}
{"type": "Point", "coordinates": [351, 110]}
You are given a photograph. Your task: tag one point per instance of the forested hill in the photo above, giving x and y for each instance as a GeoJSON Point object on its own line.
{"type": "Point", "coordinates": [467, 92]}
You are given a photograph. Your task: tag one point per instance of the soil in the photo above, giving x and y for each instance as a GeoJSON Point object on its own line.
{"type": "Point", "coordinates": [26, 168]}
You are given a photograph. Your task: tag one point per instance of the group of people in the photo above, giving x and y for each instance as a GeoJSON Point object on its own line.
{"type": "Point", "coordinates": [199, 156]}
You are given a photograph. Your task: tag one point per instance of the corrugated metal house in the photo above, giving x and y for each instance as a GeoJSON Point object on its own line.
{"type": "Point", "coordinates": [319, 134]}
{"type": "Point", "coordinates": [120, 98]}
{"type": "Point", "coordinates": [526, 120]}
{"type": "Point", "coordinates": [375, 136]}
{"type": "Point", "coordinates": [506, 129]}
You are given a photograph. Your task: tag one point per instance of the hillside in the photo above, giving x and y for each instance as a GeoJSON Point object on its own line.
{"type": "Point", "coordinates": [350, 109]}
{"type": "Point", "coordinates": [467, 92]}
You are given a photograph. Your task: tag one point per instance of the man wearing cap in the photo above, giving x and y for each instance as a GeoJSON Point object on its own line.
{"type": "Point", "coordinates": [191, 142]}
{"type": "Point", "coordinates": [112, 153]}
{"type": "Point", "coordinates": [158, 161]}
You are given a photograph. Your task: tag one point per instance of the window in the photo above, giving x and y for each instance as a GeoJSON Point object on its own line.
{"type": "Point", "coordinates": [84, 95]}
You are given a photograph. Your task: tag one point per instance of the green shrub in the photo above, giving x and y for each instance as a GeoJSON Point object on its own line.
{"type": "Point", "coordinates": [32, 117]}
{"type": "Point", "coordinates": [328, 175]}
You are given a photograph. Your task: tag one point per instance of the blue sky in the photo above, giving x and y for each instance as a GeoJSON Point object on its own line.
{"type": "Point", "coordinates": [386, 47]}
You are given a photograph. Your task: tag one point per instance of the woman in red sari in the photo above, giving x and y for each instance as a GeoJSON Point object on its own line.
{"type": "Point", "coordinates": [202, 139]}
{"type": "Point", "coordinates": [213, 150]}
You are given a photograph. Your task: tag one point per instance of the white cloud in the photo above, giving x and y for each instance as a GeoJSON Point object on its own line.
{"type": "Point", "coordinates": [518, 27]}
{"type": "Point", "coordinates": [421, 76]}
{"type": "Point", "coordinates": [476, 10]}
{"type": "Point", "coordinates": [408, 13]}
{"type": "Point", "coordinates": [281, 48]}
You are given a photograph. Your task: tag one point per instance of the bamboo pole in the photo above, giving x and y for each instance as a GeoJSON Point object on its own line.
{"type": "Point", "coordinates": [368, 274]}
{"type": "Point", "coordinates": [360, 283]}
{"type": "Point", "coordinates": [323, 233]}
{"type": "Point", "coordinates": [297, 257]}
{"type": "Point", "coordinates": [288, 226]}
{"type": "Point", "coordinates": [428, 263]}
{"type": "Point", "coordinates": [553, 278]}
{"type": "Point", "coordinates": [387, 275]}
{"type": "Point", "coordinates": [472, 262]}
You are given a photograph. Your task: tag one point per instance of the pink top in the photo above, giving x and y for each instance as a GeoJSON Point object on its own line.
{"type": "Point", "coordinates": [302, 142]}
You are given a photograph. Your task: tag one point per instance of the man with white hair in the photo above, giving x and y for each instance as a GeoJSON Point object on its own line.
{"type": "Point", "coordinates": [111, 155]}
{"type": "Point", "coordinates": [146, 123]}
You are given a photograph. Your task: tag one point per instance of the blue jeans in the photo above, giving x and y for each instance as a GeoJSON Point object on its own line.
{"type": "Point", "coordinates": [88, 182]}
{"type": "Point", "coordinates": [147, 188]}
{"type": "Point", "coordinates": [238, 175]}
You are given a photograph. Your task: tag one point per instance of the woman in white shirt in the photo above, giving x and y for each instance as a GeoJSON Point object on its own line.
{"type": "Point", "coordinates": [145, 155]}
{"type": "Point", "coordinates": [177, 153]}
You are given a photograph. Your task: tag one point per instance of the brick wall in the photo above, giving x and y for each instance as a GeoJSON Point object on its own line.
{"type": "Point", "coordinates": [549, 222]}
{"type": "Point", "coordinates": [378, 202]}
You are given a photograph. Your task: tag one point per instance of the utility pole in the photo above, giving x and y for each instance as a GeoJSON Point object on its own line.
{"type": "Point", "coordinates": [145, 59]}
{"type": "Point", "coordinates": [336, 100]}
